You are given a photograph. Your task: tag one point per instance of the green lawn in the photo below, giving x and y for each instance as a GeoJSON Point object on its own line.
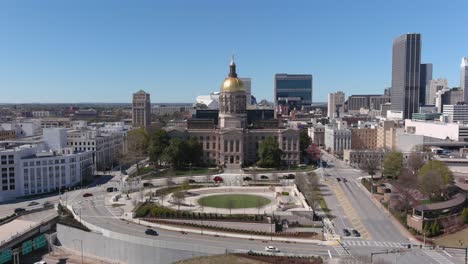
{"type": "Point", "coordinates": [234, 201]}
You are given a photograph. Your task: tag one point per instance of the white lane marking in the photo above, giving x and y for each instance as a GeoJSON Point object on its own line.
{"type": "Point", "coordinates": [329, 254]}
{"type": "Point", "coordinates": [446, 253]}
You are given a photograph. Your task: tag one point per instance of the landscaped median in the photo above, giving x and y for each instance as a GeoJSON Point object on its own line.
{"type": "Point", "coordinates": [228, 234]}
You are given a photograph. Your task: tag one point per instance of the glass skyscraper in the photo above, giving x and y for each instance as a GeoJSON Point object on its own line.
{"type": "Point", "coordinates": [406, 74]}
{"type": "Point", "coordinates": [292, 91]}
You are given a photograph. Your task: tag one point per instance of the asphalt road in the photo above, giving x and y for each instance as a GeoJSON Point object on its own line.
{"type": "Point", "coordinates": [353, 209]}
{"type": "Point", "coordinates": [94, 211]}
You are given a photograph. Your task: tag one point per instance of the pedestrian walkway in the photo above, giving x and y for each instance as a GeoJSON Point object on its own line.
{"type": "Point", "coordinates": [364, 243]}
{"type": "Point", "coordinates": [115, 211]}
{"type": "Point", "coordinates": [341, 250]}
{"type": "Point", "coordinates": [437, 257]}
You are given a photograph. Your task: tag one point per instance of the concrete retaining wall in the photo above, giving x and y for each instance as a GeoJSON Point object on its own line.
{"type": "Point", "coordinates": [261, 227]}
{"type": "Point", "coordinates": [132, 249]}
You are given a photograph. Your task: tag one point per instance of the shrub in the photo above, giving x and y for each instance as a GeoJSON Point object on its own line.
{"type": "Point", "coordinates": [285, 193]}
{"type": "Point", "coordinates": [464, 215]}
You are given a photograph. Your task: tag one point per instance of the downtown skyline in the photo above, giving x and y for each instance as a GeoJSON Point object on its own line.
{"type": "Point", "coordinates": [87, 52]}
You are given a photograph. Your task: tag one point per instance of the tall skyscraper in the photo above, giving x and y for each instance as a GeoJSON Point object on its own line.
{"type": "Point", "coordinates": [141, 109]}
{"type": "Point", "coordinates": [335, 104]}
{"type": "Point", "coordinates": [464, 78]}
{"type": "Point", "coordinates": [292, 91]}
{"type": "Point", "coordinates": [406, 73]}
{"type": "Point", "coordinates": [425, 78]}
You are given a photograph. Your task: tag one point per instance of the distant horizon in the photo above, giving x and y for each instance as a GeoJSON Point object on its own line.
{"type": "Point", "coordinates": [105, 50]}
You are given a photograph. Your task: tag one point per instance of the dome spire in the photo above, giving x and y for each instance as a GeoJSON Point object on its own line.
{"type": "Point", "coordinates": [232, 68]}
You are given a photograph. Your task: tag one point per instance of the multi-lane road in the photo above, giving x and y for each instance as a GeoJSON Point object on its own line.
{"type": "Point", "coordinates": [352, 208]}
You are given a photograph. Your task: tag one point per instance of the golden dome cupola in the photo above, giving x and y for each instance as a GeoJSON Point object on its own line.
{"type": "Point", "coordinates": [232, 83]}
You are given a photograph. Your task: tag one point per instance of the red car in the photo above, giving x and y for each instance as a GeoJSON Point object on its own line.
{"type": "Point", "coordinates": [87, 194]}
{"type": "Point", "coordinates": [218, 179]}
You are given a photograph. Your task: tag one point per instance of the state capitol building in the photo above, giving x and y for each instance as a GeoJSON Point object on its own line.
{"type": "Point", "coordinates": [231, 135]}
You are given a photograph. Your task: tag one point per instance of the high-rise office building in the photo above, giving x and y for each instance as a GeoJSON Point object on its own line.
{"type": "Point", "coordinates": [335, 104]}
{"type": "Point", "coordinates": [425, 78]}
{"type": "Point", "coordinates": [406, 70]}
{"type": "Point", "coordinates": [464, 78]}
{"type": "Point", "coordinates": [292, 91]}
{"type": "Point", "coordinates": [433, 87]}
{"type": "Point", "coordinates": [141, 109]}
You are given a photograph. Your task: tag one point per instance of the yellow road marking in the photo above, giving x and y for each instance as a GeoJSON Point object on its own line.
{"type": "Point", "coordinates": [349, 210]}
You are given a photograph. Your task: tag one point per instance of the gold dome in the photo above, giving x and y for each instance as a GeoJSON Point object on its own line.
{"type": "Point", "coordinates": [232, 84]}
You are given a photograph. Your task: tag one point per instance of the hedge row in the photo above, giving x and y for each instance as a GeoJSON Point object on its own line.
{"type": "Point", "coordinates": [227, 229]}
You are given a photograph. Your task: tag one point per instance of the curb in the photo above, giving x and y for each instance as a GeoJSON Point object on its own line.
{"type": "Point", "coordinates": [395, 222]}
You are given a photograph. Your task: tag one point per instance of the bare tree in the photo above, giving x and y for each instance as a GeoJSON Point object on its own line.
{"type": "Point", "coordinates": [230, 205]}
{"type": "Point", "coordinates": [406, 183]}
{"type": "Point", "coordinates": [178, 197]}
{"type": "Point", "coordinates": [415, 162]}
{"type": "Point", "coordinates": [370, 165]}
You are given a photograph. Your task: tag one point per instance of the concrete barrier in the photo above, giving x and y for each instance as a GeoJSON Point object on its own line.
{"type": "Point", "coordinates": [130, 249]}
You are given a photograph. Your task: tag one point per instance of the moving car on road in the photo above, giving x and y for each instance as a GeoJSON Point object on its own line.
{"type": "Point", "coordinates": [271, 249]}
{"type": "Point", "coordinates": [87, 195]}
{"type": "Point", "coordinates": [355, 233]}
{"type": "Point", "coordinates": [19, 210]}
{"type": "Point", "coordinates": [33, 203]}
{"type": "Point", "coordinates": [40, 262]}
{"type": "Point", "coordinates": [338, 179]}
{"type": "Point", "coordinates": [346, 232]}
{"type": "Point", "coordinates": [151, 232]}
{"type": "Point", "coordinates": [345, 180]}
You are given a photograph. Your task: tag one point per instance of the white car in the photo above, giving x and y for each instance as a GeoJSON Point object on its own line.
{"type": "Point", "coordinates": [271, 249]}
{"type": "Point", "coordinates": [40, 262]}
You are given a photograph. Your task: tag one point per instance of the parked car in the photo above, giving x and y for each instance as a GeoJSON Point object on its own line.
{"type": "Point", "coordinates": [338, 179]}
{"type": "Point", "coordinates": [264, 177]}
{"type": "Point", "coordinates": [191, 181]}
{"type": "Point", "coordinates": [151, 232]}
{"type": "Point", "coordinates": [112, 189]}
{"type": "Point", "coordinates": [271, 249]}
{"type": "Point", "coordinates": [355, 233]}
{"type": "Point", "coordinates": [87, 195]}
{"type": "Point", "coordinates": [345, 180]}
{"type": "Point", "coordinates": [247, 178]}
{"type": "Point", "coordinates": [148, 184]}
{"type": "Point", "coordinates": [19, 210]}
{"type": "Point", "coordinates": [346, 232]}
{"type": "Point", "coordinates": [33, 203]}
{"type": "Point", "coordinates": [47, 204]}
{"type": "Point", "coordinates": [218, 179]}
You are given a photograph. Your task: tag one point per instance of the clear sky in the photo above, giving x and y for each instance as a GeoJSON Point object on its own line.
{"type": "Point", "coordinates": [104, 50]}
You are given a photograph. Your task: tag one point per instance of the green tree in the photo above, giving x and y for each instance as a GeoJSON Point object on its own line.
{"type": "Point", "coordinates": [393, 164]}
{"type": "Point", "coordinates": [185, 186]}
{"type": "Point", "coordinates": [137, 146]}
{"type": "Point", "coordinates": [432, 184]}
{"type": "Point", "coordinates": [304, 142]}
{"type": "Point", "coordinates": [175, 153]}
{"type": "Point", "coordinates": [158, 142]}
{"type": "Point", "coordinates": [194, 151]}
{"type": "Point", "coordinates": [464, 215]}
{"type": "Point", "coordinates": [440, 167]}
{"type": "Point", "coordinates": [269, 153]}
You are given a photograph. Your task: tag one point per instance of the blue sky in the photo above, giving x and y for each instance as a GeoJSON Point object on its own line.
{"type": "Point", "coordinates": [103, 51]}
